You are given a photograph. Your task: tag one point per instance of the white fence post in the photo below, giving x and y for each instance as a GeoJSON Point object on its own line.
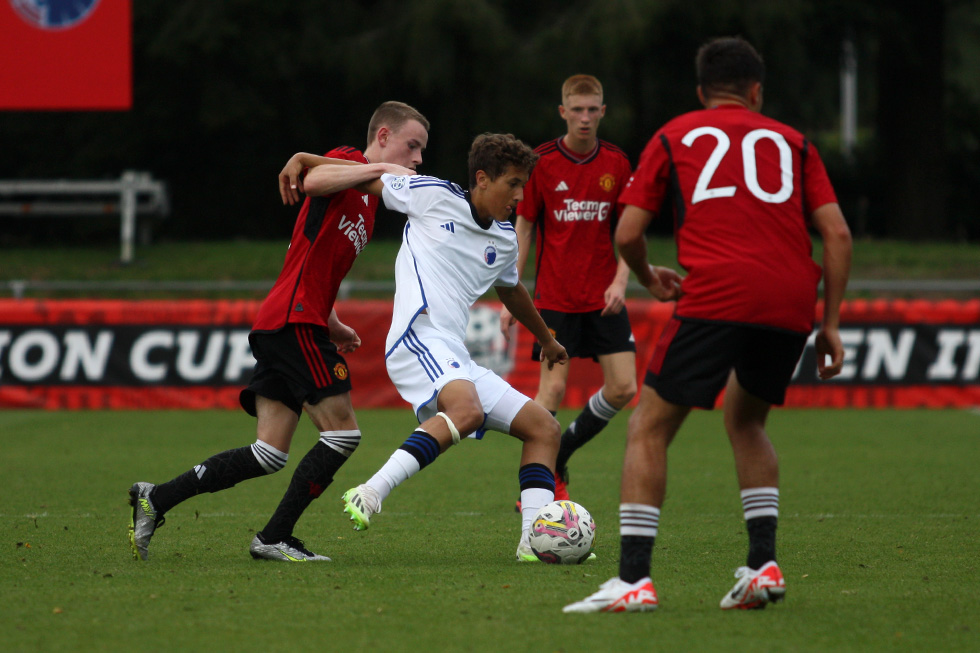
{"type": "Point", "coordinates": [127, 227]}
{"type": "Point", "coordinates": [138, 193]}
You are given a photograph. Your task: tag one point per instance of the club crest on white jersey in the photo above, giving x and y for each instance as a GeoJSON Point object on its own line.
{"type": "Point", "coordinates": [439, 272]}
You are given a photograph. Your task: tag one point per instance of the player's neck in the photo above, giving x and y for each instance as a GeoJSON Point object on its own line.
{"type": "Point", "coordinates": [373, 152]}
{"type": "Point", "coordinates": [726, 102]}
{"type": "Point", "coordinates": [481, 213]}
{"type": "Point", "coordinates": [580, 146]}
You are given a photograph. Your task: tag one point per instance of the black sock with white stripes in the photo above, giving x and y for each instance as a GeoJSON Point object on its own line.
{"type": "Point", "coordinates": [312, 476]}
{"type": "Point", "coordinates": [219, 472]}
{"type": "Point", "coordinates": [761, 508]}
{"type": "Point", "coordinates": [590, 421]}
{"type": "Point", "coordinates": [638, 526]}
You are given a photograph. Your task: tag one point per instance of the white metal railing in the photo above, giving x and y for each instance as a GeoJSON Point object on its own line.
{"type": "Point", "coordinates": [133, 193]}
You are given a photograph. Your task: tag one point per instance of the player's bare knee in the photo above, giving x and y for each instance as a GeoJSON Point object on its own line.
{"type": "Point", "coordinates": [466, 417]}
{"type": "Point", "coordinates": [620, 394]}
{"type": "Point", "coordinates": [551, 393]}
{"type": "Point", "coordinates": [741, 427]}
{"type": "Point", "coordinates": [549, 432]}
{"type": "Point", "coordinates": [652, 428]}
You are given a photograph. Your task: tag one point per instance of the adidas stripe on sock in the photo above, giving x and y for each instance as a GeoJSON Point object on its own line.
{"type": "Point", "coordinates": [593, 418]}
{"type": "Point", "coordinates": [760, 502]}
{"type": "Point", "coordinates": [270, 458]}
{"type": "Point", "coordinates": [602, 408]}
{"type": "Point", "coordinates": [638, 519]}
{"type": "Point", "coordinates": [343, 442]}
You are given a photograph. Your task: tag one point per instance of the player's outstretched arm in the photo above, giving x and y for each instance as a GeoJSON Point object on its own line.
{"type": "Point", "coordinates": [662, 283]}
{"type": "Point", "coordinates": [518, 302]}
{"type": "Point", "coordinates": [332, 178]}
{"type": "Point", "coordinates": [837, 246]}
{"type": "Point", "coordinates": [291, 176]}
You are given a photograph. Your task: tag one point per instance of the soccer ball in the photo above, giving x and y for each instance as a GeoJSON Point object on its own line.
{"type": "Point", "coordinates": [562, 533]}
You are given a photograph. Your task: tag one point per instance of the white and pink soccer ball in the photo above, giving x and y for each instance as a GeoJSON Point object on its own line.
{"type": "Point", "coordinates": [562, 533]}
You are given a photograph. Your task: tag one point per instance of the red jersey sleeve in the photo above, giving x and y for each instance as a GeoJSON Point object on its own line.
{"type": "Point", "coordinates": [817, 189]}
{"type": "Point", "coordinates": [531, 206]}
{"type": "Point", "coordinates": [649, 184]}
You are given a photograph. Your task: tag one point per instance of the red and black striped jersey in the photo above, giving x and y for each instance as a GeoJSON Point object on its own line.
{"type": "Point", "coordinates": [330, 232]}
{"type": "Point", "coordinates": [572, 201]}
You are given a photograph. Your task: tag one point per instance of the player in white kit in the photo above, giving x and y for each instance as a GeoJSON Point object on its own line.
{"type": "Point", "coordinates": [456, 245]}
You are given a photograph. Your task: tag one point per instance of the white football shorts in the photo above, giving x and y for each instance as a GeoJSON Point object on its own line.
{"type": "Point", "coordinates": [424, 361]}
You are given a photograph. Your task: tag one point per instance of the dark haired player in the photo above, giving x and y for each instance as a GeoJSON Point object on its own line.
{"type": "Point", "coordinates": [456, 245]}
{"type": "Point", "coordinates": [745, 189]}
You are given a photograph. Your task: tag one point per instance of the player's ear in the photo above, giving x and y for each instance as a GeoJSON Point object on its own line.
{"type": "Point", "coordinates": [701, 98]}
{"type": "Point", "coordinates": [383, 134]}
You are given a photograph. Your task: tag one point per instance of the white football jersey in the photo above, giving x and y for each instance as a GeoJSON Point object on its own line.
{"type": "Point", "coordinates": [447, 260]}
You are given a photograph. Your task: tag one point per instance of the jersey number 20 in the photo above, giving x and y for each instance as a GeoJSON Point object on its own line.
{"type": "Point", "coordinates": [703, 192]}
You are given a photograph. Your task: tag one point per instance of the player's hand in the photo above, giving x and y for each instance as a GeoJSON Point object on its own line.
{"type": "Point", "coordinates": [665, 284]}
{"type": "Point", "coordinates": [291, 180]}
{"type": "Point", "coordinates": [828, 343]}
{"type": "Point", "coordinates": [344, 337]}
{"type": "Point", "coordinates": [553, 353]}
{"type": "Point", "coordinates": [615, 297]}
{"type": "Point", "coordinates": [507, 322]}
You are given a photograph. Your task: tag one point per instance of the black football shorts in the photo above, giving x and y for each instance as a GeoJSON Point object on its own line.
{"type": "Point", "coordinates": [693, 359]}
{"type": "Point", "coordinates": [295, 365]}
{"type": "Point", "coordinates": [588, 335]}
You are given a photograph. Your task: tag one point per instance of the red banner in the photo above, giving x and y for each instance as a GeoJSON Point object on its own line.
{"type": "Point", "coordinates": [65, 54]}
{"type": "Point", "coordinates": [78, 354]}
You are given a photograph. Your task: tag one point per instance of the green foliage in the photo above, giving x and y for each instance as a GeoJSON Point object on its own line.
{"type": "Point", "coordinates": [877, 540]}
{"type": "Point", "coordinates": [225, 92]}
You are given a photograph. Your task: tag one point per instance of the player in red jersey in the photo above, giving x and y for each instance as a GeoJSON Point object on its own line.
{"type": "Point", "coordinates": [744, 189]}
{"type": "Point", "coordinates": [570, 204]}
{"type": "Point", "coordinates": [297, 340]}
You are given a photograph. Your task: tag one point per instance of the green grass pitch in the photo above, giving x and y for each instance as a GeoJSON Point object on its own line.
{"type": "Point", "coordinates": [878, 539]}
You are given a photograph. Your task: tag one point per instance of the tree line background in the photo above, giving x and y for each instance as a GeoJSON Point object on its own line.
{"type": "Point", "coordinates": [225, 92]}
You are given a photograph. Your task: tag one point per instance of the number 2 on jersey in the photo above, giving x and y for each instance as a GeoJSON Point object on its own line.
{"type": "Point", "coordinates": [703, 192]}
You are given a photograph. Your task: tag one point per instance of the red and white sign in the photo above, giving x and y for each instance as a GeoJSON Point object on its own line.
{"type": "Point", "coordinates": [78, 354]}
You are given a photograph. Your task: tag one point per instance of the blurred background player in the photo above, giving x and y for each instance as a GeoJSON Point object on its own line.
{"type": "Point", "coordinates": [456, 245]}
{"type": "Point", "coordinates": [745, 190]}
{"type": "Point", "coordinates": [297, 340]}
{"type": "Point", "coordinates": [570, 205]}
